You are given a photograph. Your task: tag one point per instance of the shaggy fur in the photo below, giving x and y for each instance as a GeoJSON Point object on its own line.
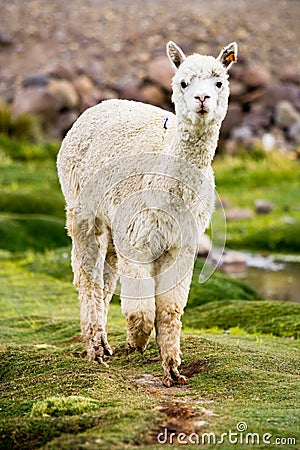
{"type": "Point", "coordinates": [139, 190]}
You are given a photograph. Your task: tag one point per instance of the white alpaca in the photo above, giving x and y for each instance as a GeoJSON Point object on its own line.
{"type": "Point", "coordinates": [139, 189]}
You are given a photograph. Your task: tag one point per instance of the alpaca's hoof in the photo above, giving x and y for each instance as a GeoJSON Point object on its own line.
{"type": "Point", "coordinates": [98, 347]}
{"type": "Point", "coordinates": [181, 380]}
{"type": "Point", "coordinates": [130, 349]}
{"type": "Point", "coordinates": [167, 381]}
{"type": "Point", "coordinates": [173, 377]}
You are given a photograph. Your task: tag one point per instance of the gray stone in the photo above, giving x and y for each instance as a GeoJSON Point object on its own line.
{"type": "Point", "coordinates": [243, 134]}
{"type": "Point", "coordinates": [37, 101]}
{"type": "Point", "coordinates": [254, 77]}
{"type": "Point", "coordinates": [236, 214]}
{"type": "Point", "coordinates": [263, 206]}
{"type": "Point", "coordinates": [290, 75]}
{"type": "Point", "coordinates": [294, 133]}
{"type": "Point", "coordinates": [285, 114]}
{"type": "Point", "coordinates": [282, 92]}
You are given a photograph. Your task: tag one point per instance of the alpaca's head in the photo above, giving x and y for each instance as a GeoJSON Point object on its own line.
{"type": "Point", "coordinates": [200, 84]}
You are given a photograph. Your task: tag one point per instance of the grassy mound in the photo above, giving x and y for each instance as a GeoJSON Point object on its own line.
{"type": "Point", "coordinates": [64, 406]}
{"type": "Point", "coordinates": [277, 318]}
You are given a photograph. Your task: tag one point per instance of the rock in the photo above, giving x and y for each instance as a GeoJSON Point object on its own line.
{"type": "Point", "coordinates": [37, 101]}
{"type": "Point", "coordinates": [5, 39]}
{"type": "Point", "coordinates": [64, 93]}
{"type": "Point", "coordinates": [229, 261]}
{"type": "Point", "coordinates": [160, 72]}
{"type": "Point", "coordinates": [243, 134]}
{"type": "Point", "coordinates": [237, 88]}
{"type": "Point", "coordinates": [46, 102]}
{"type": "Point", "coordinates": [236, 214]}
{"type": "Point", "coordinates": [263, 206]}
{"type": "Point", "coordinates": [252, 96]}
{"type": "Point", "coordinates": [294, 133]}
{"type": "Point", "coordinates": [233, 258]}
{"type": "Point", "coordinates": [62, 72]}
{"type": "Point", "coordinates": [258, 117]}
{"type": "Point", "coordinates": [88, 93]}
{"type": "Point", "coordinates": [62, 124]}
{"type": "Point", "coordinates": [153, 95]}
{"type": "Point", "coordinates": [233, 118]}
{"type": "Point", "coordinates": [94, 70]}
{"type": "Point", "coordinates": [204, 245]}
{"type": "Point", "coordinates": [36, 80]}
{"type": "Point", "coordinates": [291, 75]}
{"type": "Point", "coordinates": [282, 92]}
{"type": "Point", "coordinates": [268, 141]}
{"type": "Point", "coordinates": [255, 77]}
{"type": "Point", "coordinates": [285, 114]}
{"type": "Point", "coordinates": [83, 85]}
{"type": "Point", "coordinates": [107, 94]}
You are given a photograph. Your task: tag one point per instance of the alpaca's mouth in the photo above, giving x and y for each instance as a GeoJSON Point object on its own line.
{"type": "Point", "coordinates": [202, 111]}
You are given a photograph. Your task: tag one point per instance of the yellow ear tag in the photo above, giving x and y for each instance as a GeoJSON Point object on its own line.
{"type": "Point", "coordinates": [231, 57]}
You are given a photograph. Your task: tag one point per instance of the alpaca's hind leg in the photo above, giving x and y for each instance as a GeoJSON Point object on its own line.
{"type": "Point", "coordinates": [90, 245]}
{"type": "Point", "coordinates": [169, 308]}
{"type": "Point", "coordinates": [93, 313]}
{"type": "Point", "coordinates": [138, 303]}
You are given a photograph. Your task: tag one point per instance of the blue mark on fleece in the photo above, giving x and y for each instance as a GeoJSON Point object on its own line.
{"type": "Point", "coordinates": [165, 124]}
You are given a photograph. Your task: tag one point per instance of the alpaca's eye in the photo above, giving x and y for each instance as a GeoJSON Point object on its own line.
{"type": "Point", "coordinates": [219, 84]}
{"type": "Point", "coordinates": [183, 84]}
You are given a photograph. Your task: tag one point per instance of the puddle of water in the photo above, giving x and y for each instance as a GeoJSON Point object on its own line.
{"type": "Point", "coordinates": [281, 284]}
{"type": "Point", "coordinates": [273, 278]}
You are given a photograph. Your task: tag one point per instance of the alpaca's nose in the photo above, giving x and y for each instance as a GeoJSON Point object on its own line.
{"type": "Point", "coordinates": [202, 98]}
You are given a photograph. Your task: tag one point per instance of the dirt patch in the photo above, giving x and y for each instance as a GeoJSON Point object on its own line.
{"type": "Point", "coordinates": [181, 419]}
{"type": "Point", "coordinates": [194, 368]}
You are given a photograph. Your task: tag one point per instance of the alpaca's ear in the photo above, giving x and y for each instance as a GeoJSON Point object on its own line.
{"type": "Point", "coordinates": [228, 55]}
{"type": "Point", "coordinates": [175, 54]}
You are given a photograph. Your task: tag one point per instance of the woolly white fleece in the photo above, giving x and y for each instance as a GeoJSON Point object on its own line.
{"type": "Point", "coordinates": [139, 190]}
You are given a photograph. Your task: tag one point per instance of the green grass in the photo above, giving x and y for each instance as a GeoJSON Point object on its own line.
{"type": "Point", "coordinates": [267, 317]}
{"type": "Point", "coordinates": [242, 180]}
{"type": "Point", "coordinates": [25, 127]}
{"type": "Point", "coordinates": [31, 203]}
{"type": "Point", "coordinates": [52, 397]}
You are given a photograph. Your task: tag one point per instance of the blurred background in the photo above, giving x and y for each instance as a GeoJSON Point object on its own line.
{"type": "Point", "coordinates": [241, 327]}
{"type": "Point", "coordinates": [59, 58]}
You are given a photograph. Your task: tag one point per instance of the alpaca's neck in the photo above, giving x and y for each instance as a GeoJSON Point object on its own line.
{"type": "Point", "coordinates": [196, 143]}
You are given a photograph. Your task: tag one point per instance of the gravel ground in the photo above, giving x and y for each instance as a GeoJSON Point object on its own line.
{"type": "Point", "coordinates": [113, 39]}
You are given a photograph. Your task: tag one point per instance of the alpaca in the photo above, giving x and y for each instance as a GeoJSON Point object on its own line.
{"type": "Point", "coordinates": [139, 190]}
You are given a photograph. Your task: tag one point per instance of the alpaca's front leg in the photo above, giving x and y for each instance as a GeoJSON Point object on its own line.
{"type": "Point", "coordinates": [168, 326]}
{"type": "Point", "coordinates": [169, 308]}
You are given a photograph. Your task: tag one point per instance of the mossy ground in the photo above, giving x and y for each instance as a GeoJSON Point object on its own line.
{"type": "Point", "coordinates": [53, 397]}
{"type": "Point", "coordinates": [240, 353]}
